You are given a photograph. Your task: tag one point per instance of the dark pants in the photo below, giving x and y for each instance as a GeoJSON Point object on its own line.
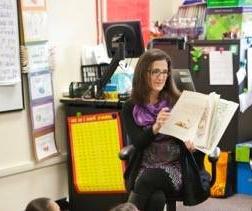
{"type": "Point", "coordinates": [151, 189]}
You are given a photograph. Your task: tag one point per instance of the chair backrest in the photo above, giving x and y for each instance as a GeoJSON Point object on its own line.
{"type": "Point", "coordinates": [183, 79]}
{"type": "Point", "coordinates": [176, 48]}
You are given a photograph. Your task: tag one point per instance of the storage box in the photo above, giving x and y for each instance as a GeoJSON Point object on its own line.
{"type": "Point", "coordinates": [244, 178]}
{"type": "Point", "coordinates": [243, 152]}
{"type": "Point", "coordinates": [228, 23]}
{"type": "Point", "coordinates": [243, 155]}
{"type": "Point", "coordinates": [92, 76]}
{"type": "Point", "coordinates": [228, 3]}
{"type": "Point", "coordinates": [93, 72]}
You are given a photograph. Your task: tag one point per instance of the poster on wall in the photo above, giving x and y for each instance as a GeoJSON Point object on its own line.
{"type": "Point", "coordinates": [38, 56]}
{"type": "Point", "coordinates": [33, 4]}
{"type": "Point", "coordinates": [249, 71]}
{"type": "Point", "coordinates": [40, 85]}
{"type": "Point", "coordinates": [35, 26]}
{"type": "Point", "coordinates": [115, 10]}
{"type": "Point", "coordinates": [44, 144]}
{"type": "Point", "coordinates": [9, 50]}
{"type": "Point", "coordinates": [42, 116]}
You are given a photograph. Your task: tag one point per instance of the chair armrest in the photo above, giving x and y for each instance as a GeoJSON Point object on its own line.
{"type": "Point", "coordinates": [126, 152]}
{"type": "Point", "coordinates": [213, 158]}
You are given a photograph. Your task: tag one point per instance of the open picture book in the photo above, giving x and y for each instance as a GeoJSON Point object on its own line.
{"type": "Point", "coordinates": [201, 118]}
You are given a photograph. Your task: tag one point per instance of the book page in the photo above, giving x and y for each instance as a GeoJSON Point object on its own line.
{"type": "Point", "coordinates": [186, 116]}
{"type": "Point", "coordinates": [201, 139]}
{"type": "Point", "coordinates": [225, 110]}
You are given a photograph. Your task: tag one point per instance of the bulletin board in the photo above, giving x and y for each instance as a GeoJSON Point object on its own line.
{"type": "Point", "coordinates": [136, 10]}
{"type": "Point", "coordinates": [95, 141]}
{"type": "Point", "coordinates": [11, 93]}
{"type": "Point", "coordinates": [201, 80]}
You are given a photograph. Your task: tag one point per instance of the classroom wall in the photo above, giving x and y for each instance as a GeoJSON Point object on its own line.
{"type": "Point", "coordinates": [71, 25]}
{"type": "Point", "coordinates": [163, 9]}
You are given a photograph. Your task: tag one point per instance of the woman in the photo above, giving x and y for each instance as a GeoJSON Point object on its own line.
{"type": "Point", "coordinates": [161, 164]}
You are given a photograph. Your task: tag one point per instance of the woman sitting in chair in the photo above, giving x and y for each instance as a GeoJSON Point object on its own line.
{"type": "Point", "coordinates": [161, 166]}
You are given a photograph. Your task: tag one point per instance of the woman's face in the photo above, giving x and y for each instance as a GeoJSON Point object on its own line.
{"type": "Point", "coordinates": [158, 75]}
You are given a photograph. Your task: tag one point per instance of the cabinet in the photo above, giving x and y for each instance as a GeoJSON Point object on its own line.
{"type": "Point", "coordinates": [94, 201]}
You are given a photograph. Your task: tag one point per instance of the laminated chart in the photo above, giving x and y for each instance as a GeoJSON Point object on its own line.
{"type": "Point", "coordinates": [95, 141]}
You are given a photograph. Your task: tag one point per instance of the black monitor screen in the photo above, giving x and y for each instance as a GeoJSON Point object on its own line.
{"type": "Point", "coordinates": [128, 32]}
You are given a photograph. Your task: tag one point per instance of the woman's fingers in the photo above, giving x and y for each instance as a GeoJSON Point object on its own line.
{"type": "Point", "coordinates": [165, 109]}
{"type": "Point", "coordinates": [163, 115]}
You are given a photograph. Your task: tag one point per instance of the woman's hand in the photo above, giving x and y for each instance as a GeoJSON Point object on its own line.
{"type": "Point", "coordinates": [162, 117]}
{"type": "Point", "coordinates": [190, 146]}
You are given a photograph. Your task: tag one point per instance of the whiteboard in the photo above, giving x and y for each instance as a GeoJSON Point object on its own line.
{"type": "Point", "coordinates": [11, 94]}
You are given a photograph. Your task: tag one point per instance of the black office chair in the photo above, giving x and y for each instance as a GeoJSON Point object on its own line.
{"type": "Point", "coordinates": [127, 151]}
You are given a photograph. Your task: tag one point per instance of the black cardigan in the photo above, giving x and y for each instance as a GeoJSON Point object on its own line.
{"type": "Point", "coordinates": [196, 182]}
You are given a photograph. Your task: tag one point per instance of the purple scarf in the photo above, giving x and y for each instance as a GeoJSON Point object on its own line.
{"type": "Point", "coordinates": [146, 115]}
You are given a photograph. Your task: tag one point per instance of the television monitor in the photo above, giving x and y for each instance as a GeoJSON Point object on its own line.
{"type": "Point", "coordinates": [127, 32]}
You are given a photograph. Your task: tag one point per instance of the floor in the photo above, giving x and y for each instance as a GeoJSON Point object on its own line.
{"type": "Point", "coordinates": [236, 202]}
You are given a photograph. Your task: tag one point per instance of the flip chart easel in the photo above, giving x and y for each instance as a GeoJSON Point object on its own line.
{"type": "Point", "coordinates": [95, 141]}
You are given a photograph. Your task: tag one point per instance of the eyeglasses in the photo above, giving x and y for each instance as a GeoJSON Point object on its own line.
{"type": "Point", "coordinates": [157, 72]}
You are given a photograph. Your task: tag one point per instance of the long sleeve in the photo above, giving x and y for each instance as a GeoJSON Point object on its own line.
{"type": "Point", "coordinates": [139, 137]}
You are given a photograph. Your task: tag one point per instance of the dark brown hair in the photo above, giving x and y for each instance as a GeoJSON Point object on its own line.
{"type": "Point", "coordinates": [38, 204]}
{"type": "Point", "coordinates": [141, 87]}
